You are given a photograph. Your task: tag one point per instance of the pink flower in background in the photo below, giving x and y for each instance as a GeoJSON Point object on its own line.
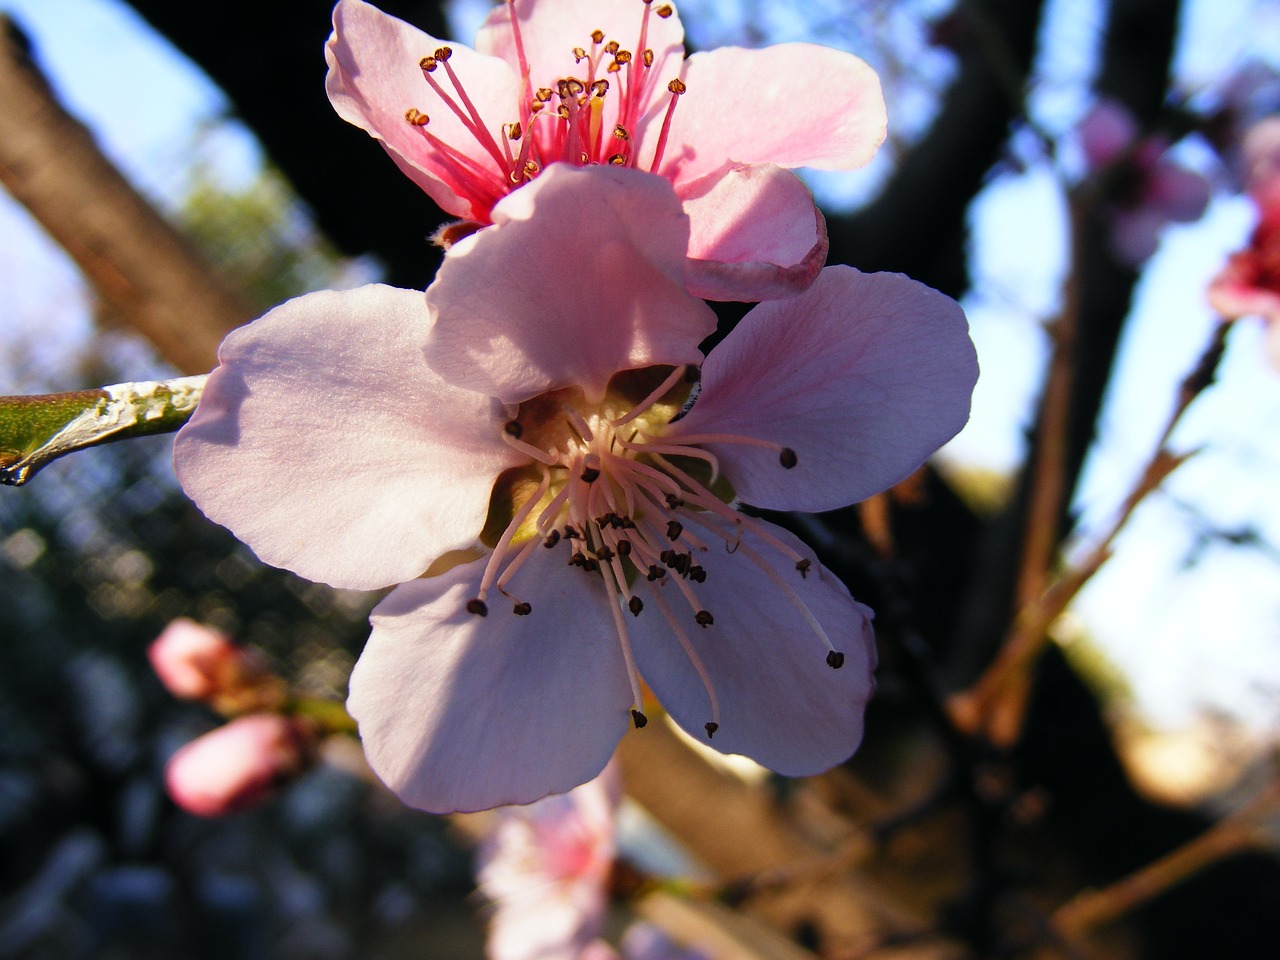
{"type": "Point", "coordinates": [588, 82]}
{"type": "Point", "coordinates": [239, 764]}
{"type": "Point", "coordinates": [545, 868]}
{"type": "Point", "coordinates": [1148, 191]}
{"type": "Point", "coordinates": [197, 663]}
{"type": "Point", "coordinates": [1249, 285]}
{"type": "Point", "coordinates": [546, 465]}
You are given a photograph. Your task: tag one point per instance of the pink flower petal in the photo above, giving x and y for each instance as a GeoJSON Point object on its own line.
{"type": "Point", "coordinates": [374, 78]}
{"type": "Point", "coordinates": [755, 234]}
{"type": "Point", "coordinates": [794, 104]}
{"type": "Point", "coordinates": [463, 712]}
{"type": "Point", "coordinates": [864, 376]}
{"type": "Point", "coordinates": [581, 275]}
{"type": "Point", "coordinates": [325, 443]}
{"type": "Point", "coordinates": [780, 703]}
{"type": "Point", "coordinates": [1181, 195]}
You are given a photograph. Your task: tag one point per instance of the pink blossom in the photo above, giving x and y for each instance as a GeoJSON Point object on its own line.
{"type": "Point", "coordinates": [239, 764]}
{"type": "Point", "coordinates": [589, 82]}
{"type": "Point", "coordinates": [545, 463]}
{"type": "Point", "coordinates": [195, 662]}
{"type": "Point", "coordinates": [545, 868]}
{"type": "Point", "coordinates": [1147, 189]}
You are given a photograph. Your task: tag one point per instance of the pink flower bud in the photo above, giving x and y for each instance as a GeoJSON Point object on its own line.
{"type": "Point", "coordinates": [240, 764]}
{"type": "Point", "coordinates": [197, 663]}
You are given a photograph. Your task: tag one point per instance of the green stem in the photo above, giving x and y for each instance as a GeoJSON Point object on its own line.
{"type": "Point", "coordinates": [37, 430]}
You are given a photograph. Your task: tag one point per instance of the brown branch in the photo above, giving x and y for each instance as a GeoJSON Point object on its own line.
{"type": "Point", "coordinates": [136, 261]}
{"type": "Point", "coordinates": [982, 709]}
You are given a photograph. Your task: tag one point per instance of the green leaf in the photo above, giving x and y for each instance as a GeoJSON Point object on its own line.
{"type": "Point", "coordinates": [37, 430]}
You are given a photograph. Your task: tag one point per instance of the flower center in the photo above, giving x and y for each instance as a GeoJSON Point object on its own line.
{"type": "Point", "coordinates": [589, 118]}
{"type": "Point", "coordinates": [629, 505]}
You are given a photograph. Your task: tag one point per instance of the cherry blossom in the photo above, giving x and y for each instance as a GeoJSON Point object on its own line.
{"type": "Point", "coordinates": [239, 764]}
{"type": "Point", "coordinates": [1148, 189]}
{"type": "Point", "coordinates": [1249, 284]}
{"type": "Point", "coordinates": [605, 82]}
{"type": "Point", "coordinates": [545, 868]}
{"type": "Point", "coordinates": [563, 467]}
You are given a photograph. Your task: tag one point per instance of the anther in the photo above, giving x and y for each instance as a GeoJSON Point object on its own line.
{"type": "Point", "coordinates": [513, 429]}
{"type": "Point", "coordinates": [624, 548]}
{"type": "Point", "coordinates": [611, 47]}
{"type": "Point", "coordinates": [618, 160]}
{"type": "Point", "coordinates": [597, 36]}
{"type": "Point", "coordinates": [579, 54]}
{"type": "Point", "coordinates": [683, 564]}
{"type": "Point", "coordinates": [622, 56]}
{"type": "Point", "coordinates": [677, 86]}
{"type": "Point", "coordinates": [552, 539]}
{"type": "Point", "coordinates": [427, 63]}
{"type": "Point", "coordinates": [543, 95]}
{"type": "Point", "coordinates": [787, 457]}
{"type": "Point", "coordinates": [590, 474]}
{"type": "Point", "coordinates": [711, 728]}
{"type": "Point", "coordinates": [620, 132]}
{"type": "Point", "coordinates": [673, 502]}
{"type": "Point", "coordinates": [665, 11]}
{"type": "Point", "coordinates": [600, 88]}
{"type": "Point", "coordinates": [656, 572]}
{"type": "Point", "coordinates": [704, 619]}
{"type": "Point", "coordinates": [635, 605]}
{"type": "Point", "coordinates": [669, 557]}
{"type": "Point", "coordinates": [697, 574]}
{"type": "Point", "coordinates": [522, 609]}
{"type": "Point", "coordinates": [674, 529]}
{"type": "Point", "coordinates": [835, 659]}
{"type": "Point", "coordinates": [515, 131]}
{"type": "Point", "coordinates": [803, 567]}
{"type": "Point", "coordinates": [444, 53]}
{"type": "Point", "coordinates": [638, 718]}
{"type": "Point", "coordinates": [605, 554]}
{"type": "Point", "coordinates": [571, 534]}
{"type": "Point", "coordinates": [647, 57]}
{"type": "Point", "coordinates": [478, 607]}
{"type": "Point", "coordinates": [416, 117]}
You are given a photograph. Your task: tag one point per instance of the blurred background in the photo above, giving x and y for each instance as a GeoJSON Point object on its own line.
{"type": "Point", "coordinates": [1144, 721]}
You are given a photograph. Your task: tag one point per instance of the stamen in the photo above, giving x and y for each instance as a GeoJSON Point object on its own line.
{"type": "Point", "coordinates": [504, 542]}
{"type": "Point", "coordinates": [529, 449]}
{"type": "Point", "coordinates": [694, 659]}
{"type": "Point", "coordinates": [676, 88]}
{"type": "Point", "coordinates": [675, 376]}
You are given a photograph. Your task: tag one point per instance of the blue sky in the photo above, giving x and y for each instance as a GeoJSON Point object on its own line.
{"type": "Point", "coordinates": [1187, 634]}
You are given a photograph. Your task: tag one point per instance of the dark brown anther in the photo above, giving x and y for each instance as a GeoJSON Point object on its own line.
{"type": "Point", "coordinates": [683, 564]}
{"type": "Point", "coordinates": [591, 565]}
{"type": "Point", "coordinates": [590, 474]}
{"type": "Point", "coordinates": [803, 567]}
{"type": "Point", "coordinates": [638, 718]}
{"type": "Point", "coordinates": [478, 607]}
{"type": "Point", "coordinates": [656, 572]}
{"type": "Point", "coordinates": [624, 548]}
{"type": "Point", "coordinates": [703, 618]}
{"type": "Point", "coordinates": [571, 534]}
{"type": "Point", "coordinates": [562, 112]}
{"type": "Point", "coordinates": [444, 53]}
{"type": "Point", "coordinates": [665, 11]}
{"type": "Point", "coordinates": [606, 519]}
{"type": "Point", "coordinates": [597, 36]}
{"type": "Point", "coordinates": [552, 539]}
{"type": "Point", "coordinates": [578, 559]}
{"type": "Point", "coordinates": [618, 160]}
{"type": "Point", "coordinates": [579, 54]}
{"type": "Point", "coordinates": [711, 728]}
{"type": "Point", "coordinates": [512, 428]}
{"type": "Point", "coordinates": [622, 56]}
{"type": "Point", "coordinates": [574, 86]}
{"type": "Point", "coordinates": [599, 88]}
{"type": "Point", "coordinates": [674, 529]}
{"type": "Point", "coordinates": [647, 57]}
{"type": "Point", "coordinates": [522, 609]}
{"type": "Point", "coordinates": [787, 457]}
{"type": "Point", "coordinates": [697, 574]}
{"type": "Point", "coordinates": [626, 523]}
{"type": "Point", "coordinates": [635, 605]}
{"type": "Point", "coordinates": [677, 86]}
{"type": "Point", "coordinates": [611, 46]}
{"type": "Point", "coordinates": [605, 554]}
{"type": "Point", "coordinates": [669, 557]}
{"type": "Point", "coordinates": [427, 63]}
{"type": "Point", "coordinates": [620, 132]}
{"type": "Point", "coordinates": [515, 131]}
{"type": "Point", "coordinates": [674, 502]}
{"type": "Point", "coordinates": [835, 659]}
{"type": "Point", "coordinates": [543, 95]}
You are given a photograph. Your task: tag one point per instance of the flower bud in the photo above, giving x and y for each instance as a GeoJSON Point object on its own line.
{"type": "Point", "coordinates": [195, 662]}
{"type": "Point", "coordinates": [240, 764]}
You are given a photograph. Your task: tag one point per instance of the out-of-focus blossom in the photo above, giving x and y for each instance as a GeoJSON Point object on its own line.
{"type": "Point", "coordinates": [1146, 189]}
{"type": "Point", "coordinates": [545, 868]}
{"type": "Point", "coordinates": [546, 463]}
{"type": "Point", "coordinates": [195, 662]}
{"type": "Point", "coordinates": [1249, 284]}
{"type": "Point", "coordinates": [239, 764]}
{"type": "Point", "coordinates": [590, 82]}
